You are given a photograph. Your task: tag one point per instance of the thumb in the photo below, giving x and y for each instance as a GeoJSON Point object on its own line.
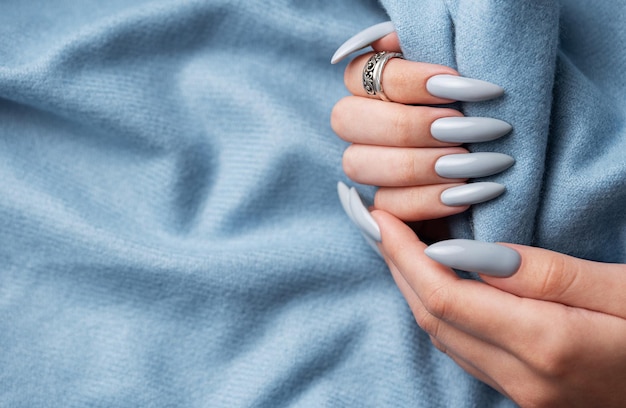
{"type": "Point", "coordinates": [541, 274]}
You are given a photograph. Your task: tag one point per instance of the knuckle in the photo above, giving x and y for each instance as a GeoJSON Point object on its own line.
{"type": "Point", "coordinates": [556, 278]}
{"type": "Point", "coordinates": [554, 356]}
{"type": "Point", "coordinates": [439, 303]}
{"type": "Point", "coordinates": [336, 116]}
{"type": "Point", "coordinates": [429, 323]}
{"type": "Point", "coordinates": [342, 116]}
{"type": "Point", "coordinates": [550, 364]}
{"type": "Point", "coordinates": [406, 168]}
{"type": "Point", "coordinates": [400, 128]}
{"type": "Point", "coordinates": [348, 163]}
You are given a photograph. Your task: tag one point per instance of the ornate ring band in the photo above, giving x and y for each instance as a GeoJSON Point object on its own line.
{"type": "Point", "coordinates": [373, 73]}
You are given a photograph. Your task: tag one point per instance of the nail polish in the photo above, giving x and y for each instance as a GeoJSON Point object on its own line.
{"type": "Point", "coordinates": [372, 244]}
{"type": "Point", "coordinates": [362, 216]}
{"type": "Point", "coordinates": [343, 192]}
{"type": "Point", "coordinates": [468, 165]}
{"type": "Point", "coordinates": [462, 89]}
{"type": "Point", "coordinates": [468, 129]}
{"type": "Point", "coordinates": [472, 193]}
{"type": "Point", "coordinates": [362, 40]}
{"type": "Point", "coordinates": [475, 256]}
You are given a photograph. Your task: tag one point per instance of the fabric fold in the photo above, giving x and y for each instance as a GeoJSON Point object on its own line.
{"type": "Point", "coordinates": [170, 233]}
{"type": "Point", "coordinates": [516, 45]}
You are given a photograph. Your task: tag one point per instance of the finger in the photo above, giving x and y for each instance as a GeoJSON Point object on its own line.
{"type": "Point", "coordinates": [390, 42]}
{"type": "Point", "coordinates": [561, 278]}
{"type": "Point", "coordinates": [364, 38]}
{"type": "Point", "coordinates": [580, 352]}
{"type": "Point", "coordinates": [482, 360]}
{"type": "Point", "coordinates": [468, 366]}
{"type": "Point", "coordinates": [396, 166]}
{"type": "Point", "coordinates": [562, 353]}
{"type": "Point", "coordinates": [367, 121]}
{"type": "Point", "coordinates": [479, 359]}
{"type": "Point", "coordinates": [404, 81]}
{"type": "Point", "coordinates": [486, 313]}
{"type": "Point", "coordinates": [416, 203]}
{"type": "Point", "coordinates": [474, 372]}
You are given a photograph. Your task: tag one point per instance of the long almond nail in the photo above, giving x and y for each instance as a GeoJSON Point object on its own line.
{"type": "Point", "coordinates": [362, 40]}
{"type": "Point", "coordinates": [362, 216]}
{"type": "Point", "coordinates": [343, 192]}
{"type": "Point", "coordinates": [472, 193]}
{"type": "Point", "coordinates": [475, 256]}
{"type": "Point", "coordinates": [468, 165]}
{"type": "Point", "coordinates": [461, 88]}
{"type": "Point", "coordinates": [465, 129]}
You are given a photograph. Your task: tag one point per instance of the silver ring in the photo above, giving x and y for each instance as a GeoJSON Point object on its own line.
{"type": "Point", "coordinates": [373, 73]}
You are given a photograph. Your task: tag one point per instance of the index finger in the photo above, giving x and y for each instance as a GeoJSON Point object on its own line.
{"type": "Point", "coordinates": [476, 308]}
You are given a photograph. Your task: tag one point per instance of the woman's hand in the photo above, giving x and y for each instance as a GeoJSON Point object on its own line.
{"type": "Point", "coordinates": [411, 151]}
{"type": "Point", "coordinates": [553, 334]}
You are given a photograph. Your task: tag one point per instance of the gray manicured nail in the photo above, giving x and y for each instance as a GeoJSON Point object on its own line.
{"type": "Point", "coordinates": [475, 256]}
{"type": "Point", "coordinates": [462, 89]}
{"type": "Point", "coordinates": [362, 40]}
{"type": "Point", "coordinates": [372, 244]}
{"type": "Point", "coordinates": [362, 216]}
{"type": "Point", "coordinates": [468, 129]}
{"type": "Point", "coordinates": [343, 192]}
{"type": "Point", "coordinates": [469, 165]}
{"type": "Point", "coordinates": [472, 193]}
{"type": "Point", "coordinates": [344, 197]}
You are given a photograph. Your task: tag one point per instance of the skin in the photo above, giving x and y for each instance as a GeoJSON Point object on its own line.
{"type": "Point", "coordinates": [553, 334]}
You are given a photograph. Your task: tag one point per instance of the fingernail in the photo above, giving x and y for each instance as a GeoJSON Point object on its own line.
{"type": "Point", "coordinates": [472, 193]}
{"type": "Point", "coordinates": [468, 129]}
{"type": "Point", "coordinates": [344, 197]}
{"type": "Point", "coordinates": [462, 89]}
{"type": "Point", "coordinates": [469, 165]}
{"type": "Point", "coordinates": [362, 216]}
{"type": "Point", "coordinates": [372, 244]}
{"type": "Point", "coordinates": [475, 256]}
{"type": "Point", "coordinates": [362, 40]}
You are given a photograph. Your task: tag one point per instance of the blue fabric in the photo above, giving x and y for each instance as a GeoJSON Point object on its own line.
{"type": "Point", "coordinates": [170, 233]}
{"type": "Point", "coordinates": [560, 64]}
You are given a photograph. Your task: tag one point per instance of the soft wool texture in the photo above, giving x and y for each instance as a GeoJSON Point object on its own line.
{"type": "Point", "coordinates": [169, 227]}
{"type": "Point", "coordinates": [561, 65]}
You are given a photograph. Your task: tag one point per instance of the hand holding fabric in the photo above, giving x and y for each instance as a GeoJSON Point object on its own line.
{"type": "Point", "coordinates": [411, 150]}
{"type": "Point", "coordinates": [552, 334]}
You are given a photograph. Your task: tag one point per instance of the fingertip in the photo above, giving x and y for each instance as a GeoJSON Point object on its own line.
{"type": "Point", "coordinates": [386, 222]}
{"type": "Point", "coordinates": [390, 42]}
{"type": "Point", "coordinates": [381, 217]}
{"type": "Point", "coordinates": [362, 40]}
{"type": "Point", "coordinates": [395, 234]}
